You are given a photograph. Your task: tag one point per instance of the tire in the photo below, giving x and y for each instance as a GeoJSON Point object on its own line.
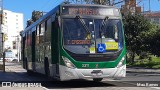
{"type": "Point", "coordinates": [26, 63]}
{"type": "Point", "coordinates": [97, 79]}
{"type": "Point", "coordinates": [46, 67]}
{"type": "Point", "coordinates": [29, 72]}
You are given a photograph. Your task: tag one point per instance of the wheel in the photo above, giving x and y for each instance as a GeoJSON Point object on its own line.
{"type": "Point", "coordinates": [26, 63]}
{"type": "Point", "coordinates": [46, 67]}
{"type": "Point", "coordinates": [97, 79]}
{"type": "Point", "coordinates": [29, 72]}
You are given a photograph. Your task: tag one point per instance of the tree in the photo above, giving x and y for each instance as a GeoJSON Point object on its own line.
{"type": "Point", "coordinates": [135, 28]}
{"type": "Point", "coordinates": [35, 16]}
{"type": "Point", "coordinates": [153, 40]}
{"type": "Point", "coordinates": [155, 43]}
{"type": "Point", "coordinates": [29, 22]}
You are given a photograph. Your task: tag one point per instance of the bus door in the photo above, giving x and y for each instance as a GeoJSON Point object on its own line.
{"type": "Point", "coordinates": [55, 46]}
{"type": "Point", "coordinates": [23, 52]}
{"type": "Point", "coordinates": [47, 48]}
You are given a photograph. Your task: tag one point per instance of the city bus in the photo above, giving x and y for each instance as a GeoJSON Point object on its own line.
{"type": "Point", "coordinates": [76, 41]}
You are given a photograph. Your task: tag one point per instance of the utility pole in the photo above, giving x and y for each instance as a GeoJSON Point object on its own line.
{"type": "Point", "coordinates": [149, 6]}
{"type": "Point", "coordinates": [1, 13]}
{"type": "Point", "coordinates": [18, 47]}
{"type": "Point", "coordinates": [3, 52]}
{"type": "Point", "coordinates": [143, 7]}
{"type": "Point", "coordinates": [2, 37]}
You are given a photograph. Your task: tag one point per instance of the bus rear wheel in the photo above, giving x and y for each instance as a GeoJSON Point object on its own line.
{"type": "Point", "coordinates": [29, 72]}
{"type": "Point", "coordinates": [97, 79]}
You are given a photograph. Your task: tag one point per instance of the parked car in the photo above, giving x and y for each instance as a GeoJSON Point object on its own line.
{"type": "Point", "coordinates": [9, 59]}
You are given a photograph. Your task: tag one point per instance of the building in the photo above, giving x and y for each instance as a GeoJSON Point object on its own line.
{"type": "Point", "coordinates": [130, 6]}
{"type": "Point", "coordinates": [11, 26]}
{"type": "Point", "coordinates": [153, 16]}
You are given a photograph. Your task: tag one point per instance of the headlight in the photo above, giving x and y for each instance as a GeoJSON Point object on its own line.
{"type": "Point", "coordinates": [121, 62]}
{"type": "Point", "coordinates": [67, 62]}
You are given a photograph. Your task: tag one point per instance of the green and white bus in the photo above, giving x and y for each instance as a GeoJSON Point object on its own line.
{"type": "Point", "coordinates": [76, 41]}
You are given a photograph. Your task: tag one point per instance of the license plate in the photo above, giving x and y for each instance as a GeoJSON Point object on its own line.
{"type": "Point", "coordinates": [96, 72]}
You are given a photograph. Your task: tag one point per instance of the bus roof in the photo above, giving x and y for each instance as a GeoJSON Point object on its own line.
{"type": "Point", "coordinates": [55, 8]}
{"type": "Point", "coordinates": [89, 5]}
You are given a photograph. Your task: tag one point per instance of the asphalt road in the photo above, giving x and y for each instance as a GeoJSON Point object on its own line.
{"type": "Point", "coordinates": [15, 73]}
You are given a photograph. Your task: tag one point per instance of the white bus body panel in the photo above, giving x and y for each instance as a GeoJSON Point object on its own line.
{"type": "Point", "coordinates": [68, 73]}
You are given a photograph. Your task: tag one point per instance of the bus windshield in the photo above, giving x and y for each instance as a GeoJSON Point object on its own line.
{"type": "Point", "coordinates": [103, 36]}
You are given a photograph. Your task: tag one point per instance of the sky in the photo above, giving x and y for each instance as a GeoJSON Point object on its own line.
{"type": "Point", "coordinates": [27, 6]}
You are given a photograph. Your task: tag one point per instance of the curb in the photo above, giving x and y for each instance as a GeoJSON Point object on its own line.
{"type": "Point", "coordinates": [15, 69]}
{"type": "Point", "coordinates": [143, 70]}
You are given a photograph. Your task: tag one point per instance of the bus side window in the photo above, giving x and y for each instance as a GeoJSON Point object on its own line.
{"type": "Point", "coordinates": [48, 30]}
{"type": "Point", "coordinates": [37, 43]}
{"type": "Point", "coordinates": [37, 35]}
{"type": "Point", "coordinates": [42, 31]}
{"type": "Point", "coordinates": [45, 31]}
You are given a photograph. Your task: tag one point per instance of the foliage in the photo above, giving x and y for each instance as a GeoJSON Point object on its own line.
{"type": "Point", "coordinates": [142, 37]}
{"type": "Point", "coordinates": [35, 16]}
{"type": "Point", "coordinates": [155, 63]}
{"type": "Point", "coordinates": [153, 40]}
{"type": "Point", "coordinates": [29, 22]}
{"type": "Point", "coordinates": [143, 55]}
{"type": "Point", "coordinates": [136, 27]}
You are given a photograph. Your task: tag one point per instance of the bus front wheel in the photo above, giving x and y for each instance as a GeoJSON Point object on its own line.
{"type": "Point", "coordinates": [97, 79]}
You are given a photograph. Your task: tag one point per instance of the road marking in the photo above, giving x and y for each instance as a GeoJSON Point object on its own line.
{"type": "Point", "coordinates": [45, 88]}
{"type": "Point", "coordinates": [125, 82]}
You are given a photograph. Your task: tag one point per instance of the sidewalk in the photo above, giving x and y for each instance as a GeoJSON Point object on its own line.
{"type": "Point", "coordinates": [13, 67]}
{"type": "Point", "coordinates": [10, 72]}
{"type": "Point", "coordinates": [17, 68]}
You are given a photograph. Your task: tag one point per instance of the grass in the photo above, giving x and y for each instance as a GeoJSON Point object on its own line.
{"type": "Point", "coordinates": [154, 63]}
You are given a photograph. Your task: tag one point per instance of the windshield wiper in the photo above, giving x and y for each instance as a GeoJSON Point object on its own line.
{"type": "Point", "coordinates": [83, 23]}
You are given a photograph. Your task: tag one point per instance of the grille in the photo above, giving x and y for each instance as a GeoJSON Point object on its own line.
{"type": "Point", "coordinates": [94, 57]}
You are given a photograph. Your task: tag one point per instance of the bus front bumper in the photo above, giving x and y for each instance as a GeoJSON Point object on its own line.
{"type": "Point", "coordinates": [68, 73]}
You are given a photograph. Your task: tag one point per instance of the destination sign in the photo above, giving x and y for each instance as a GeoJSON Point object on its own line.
{"type": "Point", "coordinates": [79, 10]}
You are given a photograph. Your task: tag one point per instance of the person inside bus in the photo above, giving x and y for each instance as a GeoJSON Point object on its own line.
{"type": "Point", "coordinates": [111, 32]}
{"type": "Point", "coordinates": [80, 34]}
